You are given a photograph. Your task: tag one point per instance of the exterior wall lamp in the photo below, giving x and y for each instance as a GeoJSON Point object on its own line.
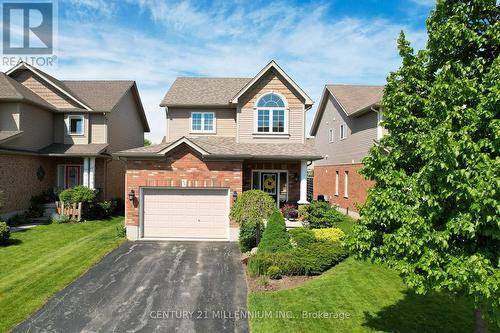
{"type": "Point", "coordinates": [235, 195]}
{"type": "Point", "coordinates": [131, 195]}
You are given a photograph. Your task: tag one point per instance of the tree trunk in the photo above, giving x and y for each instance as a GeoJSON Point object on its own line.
{"type": "Point", "coordinates": [480, 324]}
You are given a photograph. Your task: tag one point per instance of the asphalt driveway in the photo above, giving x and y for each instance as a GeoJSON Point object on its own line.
{"type": "Point", "coordinates": [152, 287]}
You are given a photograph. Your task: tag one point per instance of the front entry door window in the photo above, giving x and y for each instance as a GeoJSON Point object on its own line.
{"type": "Point", "coordinates": [269, 184]}
{"type": "Point", "coordinates": [72, 176]}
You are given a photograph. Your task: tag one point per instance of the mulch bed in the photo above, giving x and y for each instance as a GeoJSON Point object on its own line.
{"type": "Point", "coordinates": [286, 282]}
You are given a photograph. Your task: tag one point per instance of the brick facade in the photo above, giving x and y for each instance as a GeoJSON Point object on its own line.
{"type": "Point", "coordinates": [19, 180]}
{"type": "Point", "coordinates": [324, 183]}
{"type": "Point", "coordinates": [181, 165]}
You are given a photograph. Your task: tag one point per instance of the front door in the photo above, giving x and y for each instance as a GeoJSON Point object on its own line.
{"type": "Point", "coordinates": [269, 184]}
{"type": "Point", "coordinates": [72, 176]}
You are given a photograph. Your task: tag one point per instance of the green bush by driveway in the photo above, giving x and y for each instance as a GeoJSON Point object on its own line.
{"type": "Point", "coordinates": [43, 260]}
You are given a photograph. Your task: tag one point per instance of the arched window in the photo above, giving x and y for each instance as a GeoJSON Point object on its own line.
{"type": "Point", "coordinates": [271, 114]}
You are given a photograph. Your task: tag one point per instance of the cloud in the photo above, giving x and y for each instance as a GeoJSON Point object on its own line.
{"type": "Point", "coordinates": [179, 39]}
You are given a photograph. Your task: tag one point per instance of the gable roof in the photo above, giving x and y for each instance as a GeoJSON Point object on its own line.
{"type": "Point", "coordinates": [353, 99]}
{"type": "Point", "coordinates": [92, 95]}
{"type": "Point", "coordinates": [219, 91]}
{"type": "Point", "coordinates": [203, 90]}
{"type": "Point", "coordinates": [273, 64]}
{"type": "Point", "coordinates": [11, 90]}
{"type": "Point", "coordinates": [213, 147]}
{"type": "Point", "coordinates": [49, 79]}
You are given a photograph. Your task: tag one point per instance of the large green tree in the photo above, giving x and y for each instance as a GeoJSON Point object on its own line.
{"type": "Point", "coordinates": [434, 213]}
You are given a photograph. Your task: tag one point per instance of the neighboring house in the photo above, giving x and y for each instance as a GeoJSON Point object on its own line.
{"type": "Point", "coordinates": [346, 126]}
{"type": "Point", "coordinates": [59, 134]}
{"type": "Point", "coordinates": [224, 136]}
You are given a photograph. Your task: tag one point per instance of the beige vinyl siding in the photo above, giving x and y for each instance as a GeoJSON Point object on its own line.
{"type": "Point", "coordinates": [125, 128]}
{"type": "Point", "coordinates": [271, 82]}
{"type": "Point", "coordinates": [45, 90]}
{"type": "Point", "coordinates": [76, 139]}
{"type": "Point", "coordinates": [37, 125]}
{"type": "Point", "coordinates": [59, 128]}
{"type": "Point", "coordinates": [9, 117]}
{"type": "Point", "coordinates": [97, 128]}
{"type": "Point", "coordinates": [360, 133]}
{"type": "Point", "coordinates": [179, 123]}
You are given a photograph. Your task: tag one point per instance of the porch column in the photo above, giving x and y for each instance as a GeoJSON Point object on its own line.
{"type": "Point", "coordinates": [303, 183]}
{"type": "Point", "coordinates": [86, 167]}
{"type": "Point", "coordinates": [92, 173]}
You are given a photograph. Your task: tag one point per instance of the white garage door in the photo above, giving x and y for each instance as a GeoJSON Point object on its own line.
{"type": "Point", "coordinates": [186, 213]}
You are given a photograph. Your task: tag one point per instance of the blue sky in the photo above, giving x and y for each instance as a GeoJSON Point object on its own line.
{"type": "Point", "coordinates": [152, 42]}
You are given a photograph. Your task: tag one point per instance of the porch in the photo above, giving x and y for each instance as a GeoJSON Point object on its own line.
{"type": "Point", "coordinates": [284, 180]}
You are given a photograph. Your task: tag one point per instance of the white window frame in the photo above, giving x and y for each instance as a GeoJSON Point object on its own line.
{"type": "Point", "coordinates": [285, 110]}
{"type": "Point", "coordinates": [76, 116]}
{"type": "Point", "coordinates": [203, 130]}
{"type": "Point", "coordinates": [331, 135]}
{"type": "Point", "coordinates": [343, 131]}
{"type": "Point", "coordinates": [337, 183]}
{"type": "Point", "coordinates": [346, 184]}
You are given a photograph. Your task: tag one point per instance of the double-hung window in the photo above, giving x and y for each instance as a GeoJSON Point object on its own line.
{"type": "Point", "coordinates": [203, 122]}
{"type": "Point", "coordinates": [271, 114]}
{"type": "Point", "coordinates": [75, 124]}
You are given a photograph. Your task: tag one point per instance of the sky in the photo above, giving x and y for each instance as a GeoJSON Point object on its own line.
{"type": "Point", "coordinates": [153, 42]}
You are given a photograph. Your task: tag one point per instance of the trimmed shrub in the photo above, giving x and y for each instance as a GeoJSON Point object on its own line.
{"type": "Point", "coordinates": [4, 233]}
{"type": "Point", "coordinates": [247, 238]}
{"type": "Point", "coordinates": [329, 234]}
{"type": "Point", "coordinates": [56, 218]}
{"type": "Point", "coordinates": [301, 237]}
{"type": "Point", "coordinates": [250, 210]}
{"type": "Point", "coordinates": [288, 263]}
{"type": "Point", "coordinates": [275, 237]}
{"type": "Point", "coordinates": [322, 215]}
{"type": "Point", "coordinates": [106, 207]}
{"type": "Point", "coordinates": [78, 194]}
{"type": "Point", "coordinates": [274, 272]}
{"type": "Point", "coordinates": [320, 256]}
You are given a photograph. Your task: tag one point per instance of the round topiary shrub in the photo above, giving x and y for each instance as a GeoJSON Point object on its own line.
{"type": "Point", "coordinates": [329, 234]}
{"type": "Point", "coordinates": [4, 233]}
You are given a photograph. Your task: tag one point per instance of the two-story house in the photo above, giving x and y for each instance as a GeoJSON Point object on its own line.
{"type": "Point", "coordinates": [346, 125]}
{"type": "Point", "coordinates": [58, 134]}
{"type": "Point", "coordinates": [224, 136]}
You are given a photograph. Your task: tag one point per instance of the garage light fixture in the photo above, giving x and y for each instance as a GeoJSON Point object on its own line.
{"type": "Point", "coordinates": [131, 195]}
{"type": "Point", "coordinates": [235, 195]}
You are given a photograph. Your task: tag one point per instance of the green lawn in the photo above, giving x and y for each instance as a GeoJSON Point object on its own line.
{"type": "Point", "coordinates": [43, 260]}
{"type": "Point", "coordinates": [374, 296]}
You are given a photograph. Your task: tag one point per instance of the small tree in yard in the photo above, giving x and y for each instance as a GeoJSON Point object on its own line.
{"type": "Point", "coordinates": [250, 211]}
{"type": "Point", "coordinates": [434, 211]}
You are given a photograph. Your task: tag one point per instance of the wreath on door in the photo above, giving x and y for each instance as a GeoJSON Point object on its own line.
{"type": "Point", "coordinates": [269, 184]}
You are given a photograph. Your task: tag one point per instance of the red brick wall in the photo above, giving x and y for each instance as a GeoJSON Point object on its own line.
{"type": "Point", "coordinates": [181, 164]}
{"type": "Point", "coordinates": [293, 175]}
{"type": "Point", "coordinates": [324, 183]}
{"type": "Point", "coordinates": [19, 181]}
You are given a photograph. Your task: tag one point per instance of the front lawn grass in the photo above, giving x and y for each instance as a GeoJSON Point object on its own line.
{"type": "Point", "coordinates": [43, 260]}
{"type": "Point", "coordinates": [375, 298]}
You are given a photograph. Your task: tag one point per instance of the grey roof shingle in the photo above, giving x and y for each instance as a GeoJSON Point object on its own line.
{"type": "Point", "coordinates": [354, 98]}
{"type": "Point", "coordinates": [60, 149]}
{"type": "Point", "coordinates": [97, 94]}
{"type": "Point", "coordinates": [222, 147]}
{"type": "Point", "coordinates": [11, 90]}
{"type": "Point", "coordinates": [203, 91]}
